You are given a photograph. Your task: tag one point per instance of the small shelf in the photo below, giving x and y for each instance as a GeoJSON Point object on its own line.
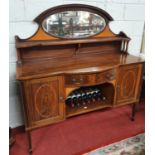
{"type": "Point", "coordinates": [27, 44]}
{"type": "Point", "coordinates": [85, 109]}
{"type": "Point", "coordinates": [89, 98]}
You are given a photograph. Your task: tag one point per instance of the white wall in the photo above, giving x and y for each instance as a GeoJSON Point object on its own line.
{"type": "Point", "coordinates": [128, 16]}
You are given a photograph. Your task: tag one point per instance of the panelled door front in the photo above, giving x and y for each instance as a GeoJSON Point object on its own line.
{"type": "Point", "coordinates": [128, 83]}
{"type": "Point", "coordinates": [45, 101]}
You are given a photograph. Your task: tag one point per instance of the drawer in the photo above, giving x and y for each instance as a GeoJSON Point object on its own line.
{"type": "Point", "coordinates": [106, 75]}
{"type": "Point", "coordinates": [80, 79]}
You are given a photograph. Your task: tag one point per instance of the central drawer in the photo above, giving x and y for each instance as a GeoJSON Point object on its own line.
{"type": "Point", "coordinates": [80, 79]}
{"type": "Point", "coordinates": [106, 76]}
{"type": "Point", "coordinates": [90, 79]}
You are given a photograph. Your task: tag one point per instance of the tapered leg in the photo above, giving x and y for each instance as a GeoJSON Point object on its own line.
{"type": "Point", "coordinates": [133, 112]}
{"type": "Point", "coordinates": [30, 142]}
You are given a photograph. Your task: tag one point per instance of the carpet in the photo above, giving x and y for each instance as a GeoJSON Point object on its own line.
{"type": "Point", "coordinates": [130, 146]}
{"type": "Point", "coordinates": [83, 133]}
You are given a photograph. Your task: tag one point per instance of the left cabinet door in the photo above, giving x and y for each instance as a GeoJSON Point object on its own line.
{"type": "Point", "coordinates": [44, 101]}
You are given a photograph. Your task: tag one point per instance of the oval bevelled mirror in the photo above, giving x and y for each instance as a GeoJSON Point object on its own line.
{"type": "Point", "coordinates": [74, 24]}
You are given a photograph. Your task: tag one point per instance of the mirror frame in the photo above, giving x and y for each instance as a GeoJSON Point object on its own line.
{"type": "Point", "coordinates": [73, 7]}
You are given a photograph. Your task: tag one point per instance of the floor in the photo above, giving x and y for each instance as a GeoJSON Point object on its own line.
{"type": "Point", "coordinates": [83, 133]}
{"type": "Point", "coordinates": [131, 146]}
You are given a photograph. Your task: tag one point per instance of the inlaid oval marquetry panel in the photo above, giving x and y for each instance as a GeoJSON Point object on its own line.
{"type": "Point", "coordinates": [44, 101]}
{"type": "Point", "coordinates": [128, 84]}
{"type": "Point", "coordinates": [44, 98]}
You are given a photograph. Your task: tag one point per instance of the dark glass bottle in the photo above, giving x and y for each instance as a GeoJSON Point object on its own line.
{"type": "Point", "coordinates": [103, 98]}
{"type": "Point", "coordinates": [77, 101]}
{"type": "Point", "coordinates": [87, 96]}
{"type": "Point", "coordinates": [79, 96]}
{"type": "Point", "coordinates": [74, 99]}
{"type": "Point", "coordinates": [94, 95]}
{"type": "Point", "coordinates": [99, 96]}
{"type": "Point", "coordinates": [70, 102]}
{"type": "Point", "coordinates": [84, 97]}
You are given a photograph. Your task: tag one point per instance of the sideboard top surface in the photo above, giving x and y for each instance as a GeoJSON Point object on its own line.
{"type": "Point", "coordinates": [74, 65]}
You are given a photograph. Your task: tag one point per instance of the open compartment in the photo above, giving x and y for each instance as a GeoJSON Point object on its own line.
{"type": "Point", "coordinates": [90, 98]}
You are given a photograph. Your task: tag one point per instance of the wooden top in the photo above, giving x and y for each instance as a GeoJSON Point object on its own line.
{"type": "Point", "coordinates": [74, 65]}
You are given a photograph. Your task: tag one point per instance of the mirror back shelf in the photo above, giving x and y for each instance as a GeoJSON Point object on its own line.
{"type": "Point", "coordinates": [68, 33]}
{"type": "Point", "coordinates": [72, 22]}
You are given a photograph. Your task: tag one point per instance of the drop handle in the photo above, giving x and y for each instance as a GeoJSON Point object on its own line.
{"type": "Point", "coordinates": [81, 79]}
{"type": "Point", "coordinates": [74, 80]}
{"type": "Point", "coordinates": [110, 76]}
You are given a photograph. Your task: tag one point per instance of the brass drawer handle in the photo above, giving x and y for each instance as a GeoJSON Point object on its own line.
{"type": "Point", "coordinates": [73, 80]}
{"type": "Point", "coordinates": [81, 79]}
{"type": "Point", "coordinates": [77, 81]}
{"type": "Point", "coordinates": [110, 76]}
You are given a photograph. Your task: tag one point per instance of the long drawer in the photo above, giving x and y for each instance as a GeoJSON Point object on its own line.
{"type": "Point", "coordinates": [90, 79]}
{"type": "Point", "coordinates": [80, 79]}
{"type": "Point", "coordinates": [106, 76]}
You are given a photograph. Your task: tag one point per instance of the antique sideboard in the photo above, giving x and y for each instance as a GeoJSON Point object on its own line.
{"type": "Point", "coordinates": [75, 64]}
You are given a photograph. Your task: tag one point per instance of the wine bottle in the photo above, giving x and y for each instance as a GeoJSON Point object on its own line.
{"type": "Point", "coordinates": [70, 101]}
{"type": "Point", "coordinates": [89, 92]}
{"type": "Point", "coordinates": [94, 95]}
{"type": "Point", "coordinates": [99, 95]}
{"type": "Point", "coordinates": [77, 95]}
{"type": "Point", "coordinates": [87, 96]}
{"type": "Point", "coordinates": [104, 98]}
{"type": "Point", "coordinates": [84, 98]}
{"type": "Point", "coordinates": [74, 99]}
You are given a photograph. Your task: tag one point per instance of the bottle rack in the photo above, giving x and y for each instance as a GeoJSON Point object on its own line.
{"type": "Point", "coordinates": [86, 99]}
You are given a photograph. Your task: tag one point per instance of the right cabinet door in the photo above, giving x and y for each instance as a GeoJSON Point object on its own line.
{"type": "Point", "coordinates": [129, 84]}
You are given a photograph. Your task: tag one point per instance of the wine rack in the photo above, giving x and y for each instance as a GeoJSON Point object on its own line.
{"type": "Point", "coordinates": [89, 98]}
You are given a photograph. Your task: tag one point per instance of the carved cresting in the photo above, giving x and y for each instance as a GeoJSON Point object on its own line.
{"type": "Point", "coordinates": [128, 84]}
{"type": "Point", "coordinates": [44, 101]}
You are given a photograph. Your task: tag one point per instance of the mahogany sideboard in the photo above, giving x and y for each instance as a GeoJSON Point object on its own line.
{"type": "Point", "coordinates": [65, 56]}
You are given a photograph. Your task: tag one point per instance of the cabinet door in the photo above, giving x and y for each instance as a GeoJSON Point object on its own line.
{"type": "Point", "coordinates": [128, 85]}
{"type": "Point", "coordinates": [44, 101]}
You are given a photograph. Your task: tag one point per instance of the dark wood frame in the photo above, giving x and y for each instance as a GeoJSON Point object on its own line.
{"type": "Point", "coordinates": [72, 7]}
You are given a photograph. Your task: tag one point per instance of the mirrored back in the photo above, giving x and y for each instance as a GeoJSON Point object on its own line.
{"type": "Point", "coordinates": [74, 24]}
